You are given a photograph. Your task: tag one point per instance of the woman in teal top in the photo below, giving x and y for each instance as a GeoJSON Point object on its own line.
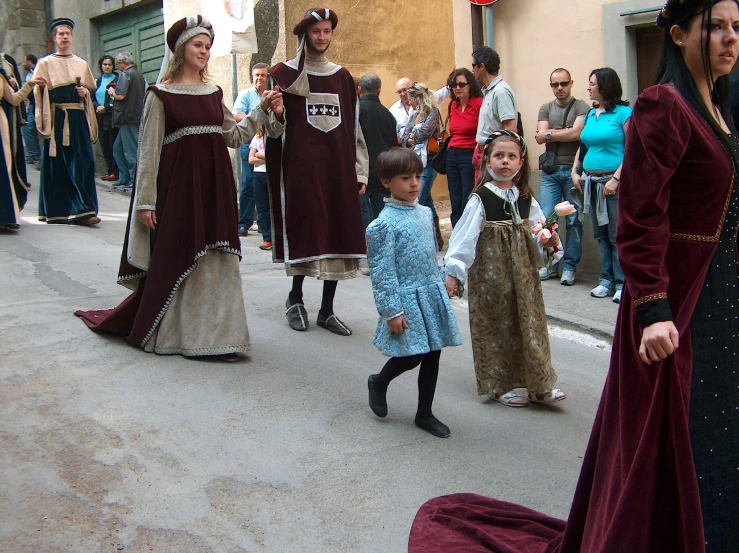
{"type": "Point", "coordinates": [597, 173]}
{"type": "Point", "coordinates": [104, 109]}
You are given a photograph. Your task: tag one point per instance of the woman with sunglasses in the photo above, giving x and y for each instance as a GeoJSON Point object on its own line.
{"type": "Point", "coordinates": [464, 111]}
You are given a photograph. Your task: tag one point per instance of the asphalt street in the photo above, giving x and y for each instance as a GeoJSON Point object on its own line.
{"type": "Point", "coordinates": [105, 448]}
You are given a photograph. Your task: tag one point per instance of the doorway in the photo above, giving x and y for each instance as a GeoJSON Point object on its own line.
{"type": "Point", "coordinates": [648, 49]}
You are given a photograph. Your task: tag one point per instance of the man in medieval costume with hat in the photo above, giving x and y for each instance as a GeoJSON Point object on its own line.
{"type": "Point", "coordinates": [65, 118]}
{"type": "Point", "coordinates": [317, 168]}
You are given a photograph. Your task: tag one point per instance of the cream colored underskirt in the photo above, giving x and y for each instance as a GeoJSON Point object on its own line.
{"type": "Point", "coordinates": [207, 315]}
{"type": "Point", "coordinates": [325, 269]}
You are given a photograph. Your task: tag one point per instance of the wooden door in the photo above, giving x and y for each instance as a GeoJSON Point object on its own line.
{"type": "Point", "coordinates": [139, 31]}
{"type": "Point", "coordinates": [648, 49]}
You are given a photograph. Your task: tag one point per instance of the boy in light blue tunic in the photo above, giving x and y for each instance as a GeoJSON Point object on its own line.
{"type": "Point", "coordinates": [416, 317]}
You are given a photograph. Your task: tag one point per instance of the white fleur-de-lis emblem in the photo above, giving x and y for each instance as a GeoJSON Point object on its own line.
{"type": "Point", "coordinates": [333, 111]}
{"type": "Point", "coordinates": [313, 110]}
{"type": "Point", "coordinates": [324, 109]}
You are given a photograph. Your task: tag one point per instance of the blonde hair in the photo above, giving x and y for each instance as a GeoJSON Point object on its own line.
{"type": "Point", "coordinates": [177, 64]}
{"type": "Point", "coordinates": [425, 98]}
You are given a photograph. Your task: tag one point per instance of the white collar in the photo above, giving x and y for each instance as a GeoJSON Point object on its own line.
{"type": "Point", "coordinates": [508, 194]}
{"type": "Point", "coordinates": [393, 201]}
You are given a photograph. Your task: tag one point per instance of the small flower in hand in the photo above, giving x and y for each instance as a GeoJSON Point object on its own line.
{"type": "Point", "coordinates": [565, 208]}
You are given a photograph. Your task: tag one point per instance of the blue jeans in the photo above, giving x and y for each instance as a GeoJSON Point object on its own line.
{"type": "Point", "coordinates": [377, 201]}
{"type": "Point", "coordinates": [610, 269]}
{"type": "Point", "coordinates": [554, 187]}
{"type": "Point", "coordinates": [261, 198]}
{"type": "Point", "coordinates": [460, 175]}
{"type": "Point", "coordinates": [246, 192]}
{"type": "Point", "coordinates": [30, 136]}
{"type": "Point", "coordinates": [366, 206]}
{"type": "Point", "coordinates": [124, 152]}
{"type": "Point", "coordinates": [427, 182]}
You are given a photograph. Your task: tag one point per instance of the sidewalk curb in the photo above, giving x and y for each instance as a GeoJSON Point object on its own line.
{"type": "Point", "coordinates": [108, 187]}
{"type": "Point", "coordinates": [599, 330]}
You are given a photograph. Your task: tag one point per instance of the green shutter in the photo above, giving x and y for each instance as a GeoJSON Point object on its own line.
{"type": "Point", "coordinates": [139, 31]}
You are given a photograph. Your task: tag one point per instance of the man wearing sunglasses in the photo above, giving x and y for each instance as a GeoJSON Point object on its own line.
{"type": "Point", "coordinates": [559, 125]}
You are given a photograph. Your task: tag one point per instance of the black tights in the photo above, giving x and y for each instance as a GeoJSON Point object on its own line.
{"type": "Point", "coordinates": [427, 375]}
{"type": "Point", "coordinates": [329, 291]}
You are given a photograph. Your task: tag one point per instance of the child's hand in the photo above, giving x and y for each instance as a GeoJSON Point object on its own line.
{"type": "Point", "coordinates": [553, 242]}
{"type": "Point", "coordinates": [397, 325]}
{"type": "Point", "coordinates": [452, 285]}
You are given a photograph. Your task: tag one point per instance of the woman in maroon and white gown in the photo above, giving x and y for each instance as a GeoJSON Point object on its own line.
{"type": "Point", "coordinates": [181, 252]}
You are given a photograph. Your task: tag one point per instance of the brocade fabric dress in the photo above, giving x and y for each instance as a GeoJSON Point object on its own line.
{"type": "Point", "coordinates": [188, 295]}
{"type": "Point", "coordinates": [508, 325]}
{"type": "Point", "coordinates": [407, 280]}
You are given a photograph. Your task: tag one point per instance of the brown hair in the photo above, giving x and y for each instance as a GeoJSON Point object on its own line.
{"type": "Point", "coordinates": [521, 180]}
{"type": "Point", "coordinates": [398, 161]}
{"type": "Point", "coordinates": [177, 64]}
{"type": "Point", "coordinates": [472, 82]}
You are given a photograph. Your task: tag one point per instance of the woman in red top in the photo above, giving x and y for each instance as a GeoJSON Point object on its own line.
{"type": "Point", "coordinates": [464, 111]}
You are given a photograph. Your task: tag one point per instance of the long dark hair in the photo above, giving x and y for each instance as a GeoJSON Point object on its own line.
{"type": "Point", "coordinates": [609, 87]}
{"type": "Point", "coordinates": [672, 69]}
{"type": "Point", "coordinates": [472, 82]}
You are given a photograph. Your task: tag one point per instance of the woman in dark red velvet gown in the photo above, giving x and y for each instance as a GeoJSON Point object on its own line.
{"type": "Point", "coordinates": [660, 471]}
{"type": "Point", "coordinates": [182, 249]}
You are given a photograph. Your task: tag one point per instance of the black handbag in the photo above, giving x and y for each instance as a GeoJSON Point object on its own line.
{"type": "Point", "coordinates": [438, 162]}
{"type": "Point", "coordinates": [548, 160]}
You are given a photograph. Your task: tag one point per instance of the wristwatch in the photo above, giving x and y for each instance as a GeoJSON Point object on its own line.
{"type": "Point", "coordinates": [549, 135]}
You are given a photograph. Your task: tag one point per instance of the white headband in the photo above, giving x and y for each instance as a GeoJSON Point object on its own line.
{"type": "Point", "coordinates": [189, 33]}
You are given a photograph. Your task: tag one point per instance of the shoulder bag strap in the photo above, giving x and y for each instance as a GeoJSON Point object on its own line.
{"type": "Point", "coordinates": [564, 120]}
{"type": "Point", "coordinates": [448, 113]}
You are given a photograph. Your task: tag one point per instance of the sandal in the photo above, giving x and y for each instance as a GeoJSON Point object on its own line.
{"type": "Point", "coordinates": [511, 399]}
{"type": "Point", "coordinates": [548, 397]}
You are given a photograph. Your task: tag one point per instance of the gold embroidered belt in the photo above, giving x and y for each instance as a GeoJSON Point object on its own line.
{"type": "Point", "coordinates": [65, 130]}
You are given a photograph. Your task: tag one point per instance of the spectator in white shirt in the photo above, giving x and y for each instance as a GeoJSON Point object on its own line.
{"type": "Point", "coordinates": [499, 109]}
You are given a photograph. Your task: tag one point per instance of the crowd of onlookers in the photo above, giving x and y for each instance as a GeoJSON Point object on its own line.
{"type": "Point", "coordinates": [582, 164]}
{"type": "Point", "coordinates": [584, 145]}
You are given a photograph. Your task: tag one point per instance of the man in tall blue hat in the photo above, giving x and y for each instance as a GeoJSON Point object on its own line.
{"type": "Point", "coordinates": [65, 119]}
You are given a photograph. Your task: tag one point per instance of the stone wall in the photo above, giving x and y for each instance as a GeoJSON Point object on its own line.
{"type": "Point", "coordinates": [24, 28]}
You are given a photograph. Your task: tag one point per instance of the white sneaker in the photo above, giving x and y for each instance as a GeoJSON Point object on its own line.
{"type": "Point", "coordinates": [544, 273]}
{"type": "Point", "coordinates": [254, 227]}
{"type": "Point", "coordinates": [617, 297]}
{"type": "Point", "coordinates": [568, 278]}
{"type": "Point", "coordinates": [600, 291]}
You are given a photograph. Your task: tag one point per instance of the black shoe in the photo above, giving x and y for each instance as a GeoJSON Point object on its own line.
{"type": "Point", "coordinates": [297, 316]}
{"type": "Point", "coordinates": [377, 397]}
{"type": "Point", "coordinates": [243, 231]}
{"type": "Point", "coordinates": [333, 324]}
{"type": "Point", "coordinates": [434, 426]}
